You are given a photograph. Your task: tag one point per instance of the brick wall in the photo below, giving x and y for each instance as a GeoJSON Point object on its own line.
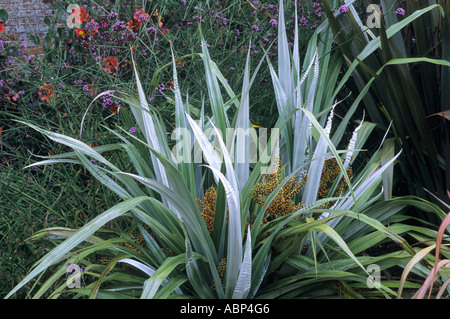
{"type": "Point", "coordinates": [26, 16]}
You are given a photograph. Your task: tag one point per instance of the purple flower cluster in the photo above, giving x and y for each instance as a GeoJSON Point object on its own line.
{"type": "Point", "coordinates": [107, 101]}
{"type": "Point", "coordinates": [160, 89]}
{"type": "Point", "coordinates": [132, 130]}
{"type": "Point", "coordinates": [112, 15]}
{"type": "Point", "coordinates": [400, 11]}
{"type": "Point", "coordinates": [119, 26]}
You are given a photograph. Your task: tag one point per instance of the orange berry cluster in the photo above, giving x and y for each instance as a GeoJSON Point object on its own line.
{"type": "Point", "coordinates": [283, 204]}
{"type": "Point", "coordinates": [221, 270]}
{"type": "Point", "coordinates": [207, 208]}
{"type": "Point", "coordinates": [330, 173]}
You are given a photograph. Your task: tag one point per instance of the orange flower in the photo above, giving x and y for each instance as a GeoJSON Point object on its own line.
{"type": "Point", "coordinates": [157, 17]}
{"type": "Point", "coordinates": [137, 23]}
{"type": "Point", "coordinates": [80, 14]}
{"type": "Point", "coordinates": [165, 31]}
{"type": "Point", "coordinates": [83, 15]}
{"type": "Point", "coordinates": [46, 91]}
{"type": "Point", "coordinates": [135, 16]}
{"type": "Point", "coordinates": [133, 23]}
{"type": "Point", "coordinates": [144, 14]}
{"type": "Point", "coordinates": [110, 64]}
{"type": "Point", "coordinates": [181, 63]}
{"type": "Point", "coordinates": [2, 28]}
{"type": "Point", "coordinates": [80, 33]}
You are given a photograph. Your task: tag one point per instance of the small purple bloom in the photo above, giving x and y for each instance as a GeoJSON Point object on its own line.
{"type": "Point", "coordinates": [132, 130]}
{"type": "Point", "coordinates": [343, 9]}
{"type": "Point", "coordinates": [400, 11]}
{"type": "Point", "coordinates": [112, 15]}
{"type": "Point", "coordinates": [107, 101]}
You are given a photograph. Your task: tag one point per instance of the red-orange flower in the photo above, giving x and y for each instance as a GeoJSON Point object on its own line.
{"type": "Point", "coordinates": [15, 97]}
{"type": "Point", "coordinates": [134, 48]}
{"type": "Point", "coordinates": [80, 33]}
{"type": "Point", "coordinates": [156, 16]}
{"type": "Point", "coordinates": [142, 13]}
{"type": "Point", "coordinates": [83, 14]}
{"type": "Point", "coordinates": [136, 21]}
{"type": "Point", "coordinates": [2, 28]}
{"type": "Point", "coordinates": [46, 91]}
{"type": "Point", "coordinates": [110, 64]}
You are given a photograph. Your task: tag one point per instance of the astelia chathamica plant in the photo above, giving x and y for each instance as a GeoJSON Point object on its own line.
{"type": "Point", "coordinates": [317, 243]}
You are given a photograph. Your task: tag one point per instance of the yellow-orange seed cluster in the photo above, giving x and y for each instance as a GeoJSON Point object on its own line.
{"type": "Point", "coordinates": [207, 208]}
{"type": "Point", "coordinates": [221, 270]}
{"type": "Point", "coordinates": [283, 204]}
{"type": "Point", "coordinates": [330, 173]}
